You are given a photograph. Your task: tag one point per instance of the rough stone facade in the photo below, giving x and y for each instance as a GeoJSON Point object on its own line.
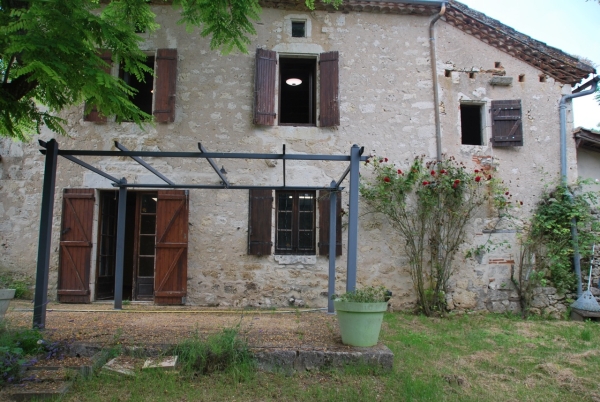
{"type": "Point", "coordinates": [386, 105]}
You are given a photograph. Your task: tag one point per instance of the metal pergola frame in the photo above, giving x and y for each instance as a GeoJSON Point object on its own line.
{"type": "Point", "coordinates": [51, 151]}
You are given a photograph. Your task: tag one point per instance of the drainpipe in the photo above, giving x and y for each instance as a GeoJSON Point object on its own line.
{"type": "Point", "coordinates": [436, 95]}
{"type": "Point", "coordinates": [563, 169]}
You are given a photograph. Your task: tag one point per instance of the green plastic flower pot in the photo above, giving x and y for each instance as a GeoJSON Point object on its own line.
{"type": "Point", "coordinates": [360, 323]}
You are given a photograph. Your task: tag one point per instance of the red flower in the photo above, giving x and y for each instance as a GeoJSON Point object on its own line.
{"type": "Point", "coordinates": [455, 185]}
{"type": "Point", "coordinates": [506, 193]}
{"type": "Point", "coordinates": [385, 159]}
{"type": "Point", "coordinates": [521, 202]}
{"type": "Point", "coordinates": [489, 177]}
{"type": "Point", "coordinates": [433, 172]}
{"type": "Point", "coordinates": [476, 170]}
{"type": "Point", "coordinates": [425, 183]}
{"type": "Point", "coordinates": [399, 171]}
{"type": "Point", "coordinates": [443, 171]}
{"type": "Point", "coordinates": [386, 179]}
{"type": "Point", "coordinates": [478, 179]}
{"type": "Point", "coordinates": [456, 181]}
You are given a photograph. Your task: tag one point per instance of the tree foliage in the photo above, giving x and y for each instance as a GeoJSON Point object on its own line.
{"type": "Point", "coordinates": [50, 60]}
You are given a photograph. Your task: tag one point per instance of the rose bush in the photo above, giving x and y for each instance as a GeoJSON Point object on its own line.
{"type": "Point", "coordinates": [430, 205]}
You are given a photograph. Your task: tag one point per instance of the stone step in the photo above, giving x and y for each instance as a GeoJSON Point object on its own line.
{"type": "Point", "coordinates": [289, 360]}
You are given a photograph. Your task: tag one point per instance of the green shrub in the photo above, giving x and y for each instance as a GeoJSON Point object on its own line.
{"type": "Point", "coordinates": [221, 352]}
{"type": "Point", "coordinates": [369, 294]}
{"type": "Point", "coordinates": [17, 348]}
{"type": "Point", "coordinates": [21, 286]}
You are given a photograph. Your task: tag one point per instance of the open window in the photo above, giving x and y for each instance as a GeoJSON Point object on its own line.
{"type": "Point", "coordinates": [297, 92]}
{"type": "Point", "coordinates": [155, 94]}
{"type": "Point", "coordinates": [472, 123]}
{"type": "Point", "coordinates": [144, 89]}
{"type": "Point", "coordinates": [297, 99]}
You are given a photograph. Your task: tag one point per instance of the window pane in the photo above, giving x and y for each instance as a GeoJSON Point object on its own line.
{"type": "Point", "coordinates": [305, 240]}
{"type": "Point", "coordinates": [148, 224]}
{"type": "Point", "coordinates": [305, 202]}
{"type": "Point", "coordinates": [298, 29]}
{"type": "Point", "coordinates": [305, 221]}
{"type": "Point", "coordinates": [146, 267]}
{"type": "Point", "coordinates": [284, 220]}
{"type": "Point", "coordinates": [285, 202]}
{"type": "Point", "coordinates": [146, 245]}
{"type": "Point", "coordinates": [148, 203]}
{"type": "Point", "coordinates": [284, 240]}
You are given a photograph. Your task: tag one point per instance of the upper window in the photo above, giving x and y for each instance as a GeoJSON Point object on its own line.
{"type": "Point", "coordinates": [298, 29]}
{"type": "Point", "coordinates": [143, 97]}
{"type": "Point", "coordinates": [297, 91]}
{"type": "Point", "coordinates": [471, 124]}
{"type": "Point", "coordinates": [297, 105]}
{"type": "Point", "coordinates": [155, 95]}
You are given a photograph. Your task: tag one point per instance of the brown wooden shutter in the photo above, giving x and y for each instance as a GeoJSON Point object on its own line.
{"type": "Point", "coordinates": [75, 246]}
{"type": "Point", "coordinates": [507, 126]}
{"type": "Point", "coordinates": [259, 222]}
{"type": "Point", "coordinates": [324, 224]}
{"type": "Point", "coordinates": [170, 274]}
{"type": "Point", "coordinates": [264, 87]}
{"type": "Point", "coordinates": [94, 115]}
{"type": "Point", "coordinates": [329, 89]}
{"type": "Point", "coordinates": [165, 85]}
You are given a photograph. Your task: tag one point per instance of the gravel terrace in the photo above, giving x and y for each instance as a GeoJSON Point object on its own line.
{"type": "Point", "coordinates": [141, 324]}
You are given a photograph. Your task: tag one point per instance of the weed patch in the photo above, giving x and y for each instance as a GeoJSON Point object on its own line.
{"type": "Point", "coordinates": [221, 352]}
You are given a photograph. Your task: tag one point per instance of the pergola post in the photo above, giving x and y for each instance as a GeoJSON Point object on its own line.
{"type": "Point", "coordinates": [120, 257]}
{"type": "Point", "coordinates": [45, 237]}
{"type": "Point", "coordinates": [355, 152]}
{"type": "Point", "coordinates": [332, 245]}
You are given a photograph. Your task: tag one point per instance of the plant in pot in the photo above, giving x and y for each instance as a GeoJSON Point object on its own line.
{"type": "Point", "coordinates": [360, 314]}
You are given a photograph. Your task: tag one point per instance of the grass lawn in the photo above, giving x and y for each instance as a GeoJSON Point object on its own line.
{"type": "Point", "coordinates": [466, 358]}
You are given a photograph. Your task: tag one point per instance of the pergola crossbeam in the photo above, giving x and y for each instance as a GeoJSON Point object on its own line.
{"type": "Point", "coordinates": [144, 164]}
{"type": "Point", "coordinates": [215, 167]}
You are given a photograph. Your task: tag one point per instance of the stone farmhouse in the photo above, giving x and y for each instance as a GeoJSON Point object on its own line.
{"type": "Point", "coordinates": [371, 74]}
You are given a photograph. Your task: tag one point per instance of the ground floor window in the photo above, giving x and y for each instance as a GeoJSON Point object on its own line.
{"type": "Point", "coordinates": [295, 222]}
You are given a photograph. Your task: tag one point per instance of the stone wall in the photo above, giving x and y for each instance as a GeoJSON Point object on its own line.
{"type": "Point", "coordinates": [386, 102]}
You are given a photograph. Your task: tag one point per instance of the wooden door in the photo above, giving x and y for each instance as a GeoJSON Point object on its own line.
{"type": "Point", "coordinates": [75, 246]}
{"type": "Point", "coordinates": [170, 276]}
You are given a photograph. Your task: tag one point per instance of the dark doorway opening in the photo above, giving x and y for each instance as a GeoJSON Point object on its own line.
{"type": "Point", "coordinates": [471, 118]}
{"type": "Point", "coordinates": [297, 98]}
{"type": "Point", "coordinates": [140, 239]}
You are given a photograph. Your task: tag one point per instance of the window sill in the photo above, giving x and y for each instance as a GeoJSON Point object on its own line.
{"type": "Point", "coordinates": [291, 259]}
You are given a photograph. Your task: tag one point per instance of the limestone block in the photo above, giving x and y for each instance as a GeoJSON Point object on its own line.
{"type": "Point", "coordinates": [497, 307]}
{"type": "Point", "coordinates": [498, 295]}
{"type": "Point", "coordinates": [296, 259]}
{"type": "Point", "coordinates": [549, 290]}
{"type": "Point", "coordinates": [464, 299]}
{"type": "Point", "coordinates": [540, 301]}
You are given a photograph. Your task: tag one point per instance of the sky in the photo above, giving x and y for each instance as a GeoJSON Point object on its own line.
{"type": "Point", "coordinates": [572, 26]}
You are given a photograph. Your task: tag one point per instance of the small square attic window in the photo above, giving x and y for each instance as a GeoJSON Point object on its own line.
{"type": "Point", "coordinates": [299, 29]}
